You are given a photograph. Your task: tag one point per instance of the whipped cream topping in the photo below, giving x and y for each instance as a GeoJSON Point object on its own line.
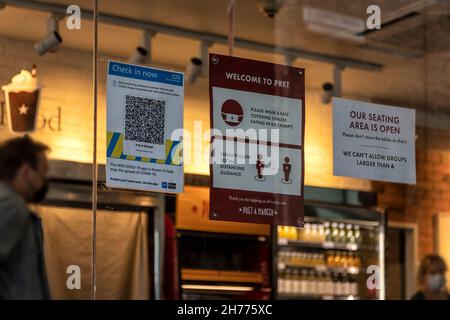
{"type": "Point", "coordinates": [22, 81]}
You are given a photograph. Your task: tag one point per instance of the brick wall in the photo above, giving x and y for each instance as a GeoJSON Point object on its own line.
{"type": "Point", "coordinates": [431, 194]}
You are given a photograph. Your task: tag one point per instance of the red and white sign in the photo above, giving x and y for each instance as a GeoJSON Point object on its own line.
{"type": "Point", "coordinates": [257, 116]}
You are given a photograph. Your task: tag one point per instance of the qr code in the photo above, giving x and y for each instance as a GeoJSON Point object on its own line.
{"type": "Point", "coordinates": [144, 119]}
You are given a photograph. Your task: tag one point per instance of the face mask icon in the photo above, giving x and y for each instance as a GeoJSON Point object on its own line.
{"type": "Point", "coordinates": [232, 112]}
{"type": "Point", "coordinates": [234, 118]}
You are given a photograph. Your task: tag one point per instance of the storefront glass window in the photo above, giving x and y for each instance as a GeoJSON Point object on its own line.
{"type": "Point", "coordinates": [363, 238]}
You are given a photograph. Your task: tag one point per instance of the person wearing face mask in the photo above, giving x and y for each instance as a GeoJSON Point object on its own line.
{"type": "Point", "coordinates": [431, 279]}
{"type": "Point", "coordinates": [23, 169]}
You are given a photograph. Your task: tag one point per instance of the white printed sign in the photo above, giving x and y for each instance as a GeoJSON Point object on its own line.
{"type": "Point", "coordinates": [258, 111]}
{"type": "Point", "coordinates": [373, 141]}
{"type": "Point", "coordinates": [253, 177]}
{"type": "Point", "coordinates": [144, 108]}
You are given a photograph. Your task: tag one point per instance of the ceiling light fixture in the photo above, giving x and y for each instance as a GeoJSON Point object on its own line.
{"type": "Point", "coordinates": [142, 53]}
{"type": "Point", "coordinates": [52, 40]}
{"type": "Point", "coordinates": [198, 66]}
{"type": "Point", "coordinates": [330, 90]}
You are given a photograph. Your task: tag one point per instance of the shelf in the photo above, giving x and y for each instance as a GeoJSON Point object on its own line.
{"type": "Point", "coordinates": [285, 296]}
{"type": "Point", "coordinates": [318, 245]}
{"type": "Point", "coordinates": [220, 276]}
{"type": "Point", "coordinates": [350, 270]}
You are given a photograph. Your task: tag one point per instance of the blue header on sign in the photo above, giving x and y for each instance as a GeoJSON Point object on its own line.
{"type": "Point", "coordinates": [144, 73]}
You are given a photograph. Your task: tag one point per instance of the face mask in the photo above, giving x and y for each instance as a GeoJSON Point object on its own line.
{"type": "Point", "coordinates": [40, 194]}
{"type": "Point", "coordinates": [436, 282]}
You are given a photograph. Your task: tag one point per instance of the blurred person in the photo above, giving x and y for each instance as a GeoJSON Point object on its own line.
{"type": "Point", "coordinates": [23, 169]}
{"type": "Point", "coordinates": [431, 279]}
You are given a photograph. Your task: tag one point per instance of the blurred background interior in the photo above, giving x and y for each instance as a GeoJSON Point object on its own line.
{"type": "Point", "coordinates": [351, 223]}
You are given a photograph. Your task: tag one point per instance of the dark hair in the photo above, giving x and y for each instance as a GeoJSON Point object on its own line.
{"type": "Point", "coordinates": [17, 151]}
{"type": "Point", "coordinates": [425, 265]}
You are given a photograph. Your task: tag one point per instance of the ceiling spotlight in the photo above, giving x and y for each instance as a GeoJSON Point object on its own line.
{"type": "Point", "coordinates": [198, 66]}
{"type": "Point", "coordinates": [330, 90]}
{"type": "Point", "coordinates": [142, 53]}
{"type": "Point", "coordinates": [270, 7]}
{"type": "Point", "coordinates": [52, 40]}
{"type": "Point", "coordinates": [193, 69]}
{"type": "Point", "coordinates": [139, 56]}
{"type": "Point", "coordinates": [327, 92]}
{"type": "Point", "coordinates": [289, 60]}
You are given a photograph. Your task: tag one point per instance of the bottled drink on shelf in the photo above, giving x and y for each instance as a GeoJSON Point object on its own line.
{"type": "Point", "coordinates": [337, 259]}
{"type": "Point", "coordinates": [342, 234]}
{"type": "Point", "coordinates": [321, 233]}
{"type": "Point", "coordinates": [314, 233]}
{"type": "Point", "coordinates": [322, 259]}
{"type": "Point", "coordinates": [291, 257]}
{"type": "Point", "coordinates": [314, 259]}
{"type": "Point", "coordinates": [328, 284]}
{"type": "Point", "coordinates": [336, 285]}
{"type": "Point", "coordinates": [296, 282]}
{"type": "Point", "coordinates": [290, 282]}
{"type": "Point", "coordinates": [316, 283]}
{"type": "Point", "coordinates": [285, 232]}
{"type": "Point", "coordinates": [304, 282]}
{"type": "Point", "coordinates": [307, 232]}
{"type": "Point", "coordinates": [357, 262]}
{"type": "Point", "coordinates": [350, 236]}
{"type": "Point", "coordinates": [322, 284]}
{"type": "Point", "coordinates": [327, 231]}
{"type": "Point", "coordinates": [334, 232]}
{"type": "Point", "coordinates": [299, 259]}
{"type": "Point", "coordinates": [312, 283]}
{"type": "Point", "coordinates": [301, 234]}
{"type": "Point", "coordinates": [281, 257]}
{"type": "Point", "coordinates": [309, 259]}
{"type": "Point", "coordinates": [353, 286]}
{"type": "Point", "coordinates": [343, 259]}
{"type": "Point", "coordinates": [340, 281]}
{"type": "Point", "coordinates": [345, 284]}
{"type": "Point", "coordinates": [292, 233]}
{"type": "Point", "coordinates": [330, 259]}
{"type": "Point", "coordinates": [303, 259]}
{"type": "Point", "coordinates": [353, 261]}
{"type": "Point", "coordinates": [358, 237]}
{"type": "Point", "coordinates": [282, 282]}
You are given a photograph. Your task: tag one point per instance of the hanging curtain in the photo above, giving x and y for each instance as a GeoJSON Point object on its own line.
{"type": "Point", "coordinates": [122, 252]}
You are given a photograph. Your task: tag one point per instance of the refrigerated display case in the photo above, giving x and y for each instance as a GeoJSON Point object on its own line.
{"type": "Point", "coordinates": [338, 254]}
{"type": "Point", "coordinates": [224, 266]}
{"type": "Point", "coordinates": [219, 259]}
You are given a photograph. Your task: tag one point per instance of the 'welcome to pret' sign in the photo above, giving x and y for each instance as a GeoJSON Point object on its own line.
{"type": "Point", "coordinates": [257, 118]}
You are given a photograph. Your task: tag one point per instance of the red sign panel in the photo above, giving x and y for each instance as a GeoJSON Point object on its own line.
{"type": "Point", "coordinates": [257, 118]}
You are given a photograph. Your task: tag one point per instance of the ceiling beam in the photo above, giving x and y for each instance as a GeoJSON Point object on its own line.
{"type": "Point", "coordinates": [197, 35]}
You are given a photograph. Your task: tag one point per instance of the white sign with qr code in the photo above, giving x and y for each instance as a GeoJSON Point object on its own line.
{"type": "Point", "coordinates": [144, 109]}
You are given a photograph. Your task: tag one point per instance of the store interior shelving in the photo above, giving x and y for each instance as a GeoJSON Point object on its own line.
{"type": "Point", "coordinates": [324, 259]}
{"type": "Point", "coordinates": [223, 266]}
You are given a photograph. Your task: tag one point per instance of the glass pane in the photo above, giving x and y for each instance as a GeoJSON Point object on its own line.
{"type": "Point", "coordinates": [376, 53]}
